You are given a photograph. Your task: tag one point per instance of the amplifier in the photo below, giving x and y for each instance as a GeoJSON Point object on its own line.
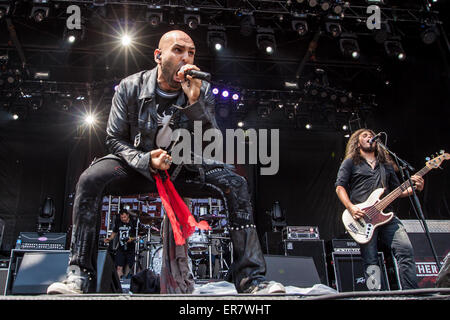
{"type": "Point", "coordinates": [300, 233]}
{"type": "Point", "coordinates": [345, 246]}
{"type": "Point", "coordinates": [42, 241]}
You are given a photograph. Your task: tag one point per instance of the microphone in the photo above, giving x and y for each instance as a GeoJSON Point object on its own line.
{"type": "Point", "coordinates": [198, 74]}
{"type": "Point", "coordinates": [375, 137]}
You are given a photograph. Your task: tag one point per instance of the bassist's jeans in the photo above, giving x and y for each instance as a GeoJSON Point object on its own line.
{"type": "Point", "coordinates": [392, 234]}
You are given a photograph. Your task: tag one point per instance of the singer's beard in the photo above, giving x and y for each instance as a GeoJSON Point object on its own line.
{"type": "Point", "coordinates": [370, 148]}
{"type": "Point", "coordinates": [169, 70]}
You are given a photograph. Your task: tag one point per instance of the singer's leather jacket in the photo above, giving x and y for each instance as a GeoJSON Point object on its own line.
{"type": "Point", "coordinates": [132, 123]}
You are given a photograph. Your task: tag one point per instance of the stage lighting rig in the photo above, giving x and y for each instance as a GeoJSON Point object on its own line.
{"type": "Point", "coordinates": [349, 46]}
{"type": "Point", "coordinates": [216, 38]}
{"type": "Point", "coordinates": [40, 10]}
{"type": "Point", "coordinates": [154, 18]}
{"type": "Point", "coordinates": [334, 28]}
{"type": "Point", "coordinates": [192, 20]}
{"type": "Point", "coordinates": [300, 26]}
{"type": "Point", "coordinates": [265, 40]}
{"type": "Point", "coordinates": [429, 34]}
{"type": "Point", "coordinates": [247, 25]}
{"type": "Point", "coordinates": [394, 48]}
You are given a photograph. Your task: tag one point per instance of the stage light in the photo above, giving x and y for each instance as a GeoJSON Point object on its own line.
{"type": "Point", "coordinates": [15, 116]}
{"type": "Point", "coordinates": [265, 41]}
{"type": "Point", "coordinates": [216, 38]}
{"type": "Point", "coordinates": [42, 75]}
{"type": "Point", "coordinates": [192, 20]}
{"type": "Point", "coordinates": [240, 124]}
{"type": "Point", "coordinates": [126, 40]}
{"type": "Point", "coordinates": [300, 26]}
{"type": "Point", "coordinates": [215, 91]}
{"type": "Point", "coordinates": [225, 93]}
{"type": "Point", "coordinates": [394, 49]}
{"type": "Point", "coordinates": [154, 18]}
{"type": "Point", "coordinates": [325, 5]}
{"type": "Point", "coordinates": [312, 3]}
{"type": "Point", "coordinates": [10, 79]}
{"type": "Point", "coordinates": [235, 97]}
{"type": "Point", "coordinates": [39, 13]}
{"type": "Point", "coordinates": [429, 35]}
{"type": "Point", "coordinates": [349, 46]}
{"type": "Point", "coordinates": [308, 126]}
{"type": "Point", "coordinates": [333, 28]}
{"type": "Point", "coordinates": [345, 127]}
{"type": "Point", "coordinates": [90, 119]}
{"type": "Point", "coordinates": [337, 9]}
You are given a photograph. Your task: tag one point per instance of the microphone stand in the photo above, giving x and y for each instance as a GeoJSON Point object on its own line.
{"type": "Point", "coordinates": [415, 204]}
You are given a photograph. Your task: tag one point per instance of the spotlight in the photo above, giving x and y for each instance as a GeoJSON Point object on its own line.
{"type": "Point", "coordinates": [325, 5]}
{"type": "Point", "coordinates": [300, 26]}
{"type": "Point", "coordinates": [308, 126]}
{"type": "Point", "coordinates": [334, 29]}
{"type": "Point", "coordinates": [15, 116]}
{"type": "Point", "coordinates": [217, 38]}
{"type": "Point", "coordinates": [90, 119]}
{"type": "Point", "coordinates": [235, 97]}
{"type": "Point", "coordinates": [225, 93]}
{"type": "Point", "coordinates": [215, 91]}
{"type": "Point", "coordinates": [394, 49]}
{"type": "Point", "coordinates": [192, 20]}
{"type": "Point", "coordinates": [349, 46]}
{"type": "Point", "coordinates": [73, 35]}
{"type": "Point", "coordinates": [265, 41]}
{"type": "Point", "coordinates": [312, 3]}
{"type": "Point", "coordinates": [337, 9]}
{"type": "Point", "coordinates": [429, 35]}
{"type": "Point", "coordinates": [345, 127]}
{"type": "Point", "coordinates": [154, 18]}
{"type": "Point", "coordinates": [240, 124]}
{"type": "Point", "coordinates": [126, 40]}
{"type": "Point", "coordinates": [42, 75]}
{"type": "Point", "coordinates": [39, 13]}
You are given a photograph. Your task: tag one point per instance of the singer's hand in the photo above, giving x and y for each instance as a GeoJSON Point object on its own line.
{"type": "Point", "coordinates": [160, 159]}
{"type": "Point", "coordinates": [191, 86]}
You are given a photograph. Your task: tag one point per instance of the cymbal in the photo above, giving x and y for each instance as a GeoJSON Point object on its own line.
{"type": "Point", "coordinates": [212, 216]}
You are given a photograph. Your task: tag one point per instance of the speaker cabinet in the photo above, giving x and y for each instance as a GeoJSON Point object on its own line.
{"type": "Point", "coordinates": [310, 248]}
{"type": "Point", "coordinates": [426, 268]}
{"type": "Point", "coordinates": [31, 272]}
{"type": "Point", "coordinates": [292, 271]}
{"type": "Point", "coordinates": [3, 277]}
{"type": "Point", "coordinates": [349, 272]}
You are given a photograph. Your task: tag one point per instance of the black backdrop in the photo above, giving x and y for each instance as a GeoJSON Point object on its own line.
{"type": "Point", "coordinates": [39, 157]}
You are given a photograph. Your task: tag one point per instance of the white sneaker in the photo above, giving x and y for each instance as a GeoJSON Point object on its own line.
{"type": "Point", "coordinates": [267, 287]}
{"type": "Point", "coordinates": [76, 282]}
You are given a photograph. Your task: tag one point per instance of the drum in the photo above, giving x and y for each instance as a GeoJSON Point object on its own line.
{"type": "Point", "coordinates": [198, 242]}
{"type": "Point", "coordinates": [157, 260]}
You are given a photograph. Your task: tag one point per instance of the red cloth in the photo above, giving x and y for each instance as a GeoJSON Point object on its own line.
{"type": "Point", "coordinates": [182, 221]}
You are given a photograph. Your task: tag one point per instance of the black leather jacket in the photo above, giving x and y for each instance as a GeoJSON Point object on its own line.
{"type": "Point", "coordinates": [132, 123]}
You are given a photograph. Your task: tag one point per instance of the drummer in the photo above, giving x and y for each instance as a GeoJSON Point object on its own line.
{"type": "Point", "coordinates": [126, 229]}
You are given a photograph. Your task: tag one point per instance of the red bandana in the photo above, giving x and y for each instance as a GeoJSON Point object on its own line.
{"type": "Point", "coordinates": [182, 221]}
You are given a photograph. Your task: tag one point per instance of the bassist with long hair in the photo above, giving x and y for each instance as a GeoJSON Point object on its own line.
{"type": "Point", "coordinates": [368, 167]}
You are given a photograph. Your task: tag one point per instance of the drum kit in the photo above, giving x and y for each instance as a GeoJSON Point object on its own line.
{"type": "Point", "coordinates": [210, 253]}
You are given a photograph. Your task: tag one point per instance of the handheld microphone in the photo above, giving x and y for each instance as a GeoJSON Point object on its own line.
{"type": "Point", "coordinates": [198, 74]}
{"type": "Point", "coordinates": [375, 137]}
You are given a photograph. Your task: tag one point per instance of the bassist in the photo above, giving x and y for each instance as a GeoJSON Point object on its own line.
{"type": "Point", "coordinates": [365, 168]}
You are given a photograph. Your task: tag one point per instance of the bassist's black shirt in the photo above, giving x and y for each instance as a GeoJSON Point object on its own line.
{"type": "Point", "coordinates": [360, 180]}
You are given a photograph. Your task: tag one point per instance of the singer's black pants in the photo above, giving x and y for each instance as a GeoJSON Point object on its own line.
{"type": "Point", "coordinates": [109, 176]}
